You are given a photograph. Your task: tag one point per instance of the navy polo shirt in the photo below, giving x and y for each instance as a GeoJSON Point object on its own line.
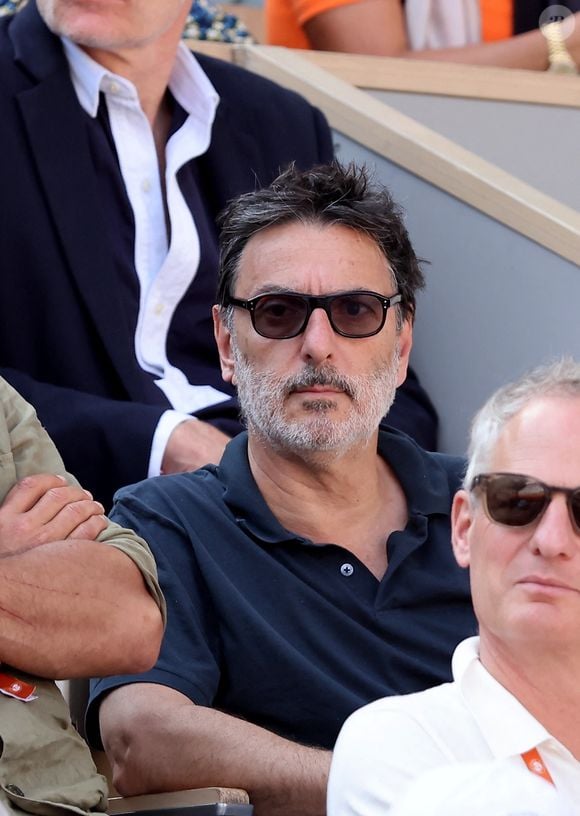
{"type": "Point", "coordinates": [288, 634]}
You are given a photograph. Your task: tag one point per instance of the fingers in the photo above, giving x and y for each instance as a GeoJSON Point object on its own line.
{"type": "Point", "coordinates": [61, 511]}
{"type": "Point", "coordinates": [43, 508]}
{"type": "Point", "coordinates": [25, 493]}
{"type": "Point", "coordinates": [90, 529]}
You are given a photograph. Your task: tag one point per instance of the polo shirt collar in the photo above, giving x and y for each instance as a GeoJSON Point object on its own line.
{"type": "Point", "coordinates": [244, 499]}
{"type": "Point", "coordinates": [492, 706]}
{"type": "Point", "coordinates": [423, 480]}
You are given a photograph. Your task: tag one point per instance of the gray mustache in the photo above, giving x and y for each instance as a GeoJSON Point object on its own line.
{"type": "Point", "coordinates": [322, 376]}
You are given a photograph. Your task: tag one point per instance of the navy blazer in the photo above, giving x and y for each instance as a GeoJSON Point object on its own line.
{"type": "Point", "coordinates": [65, 341]}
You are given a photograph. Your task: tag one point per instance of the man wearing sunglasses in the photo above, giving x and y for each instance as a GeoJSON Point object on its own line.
{"type": "Point", "coordinates": [123, 148]}
{"type": "Point", "coordinates": [311, 571]}
{"type": "Point", "coordinates": [515, 696]}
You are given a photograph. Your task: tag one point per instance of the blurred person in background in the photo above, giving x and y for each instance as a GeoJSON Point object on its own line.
{"type": "Point", "coordinates": [503, 33]}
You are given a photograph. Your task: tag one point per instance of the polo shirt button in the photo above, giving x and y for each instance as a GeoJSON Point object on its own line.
{"type": "Point", "coordinates": [347, 570]}
{"type": "Point", "coordinates": [14, 789]}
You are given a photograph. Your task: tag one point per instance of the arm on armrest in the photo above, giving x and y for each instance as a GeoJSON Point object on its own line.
{"type": "Point", "coordinates": [197, 746]}
{"type": "Point", "coordinates": [193, 797]}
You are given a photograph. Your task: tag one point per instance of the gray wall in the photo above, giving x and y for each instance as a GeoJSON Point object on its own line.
{"type": "Point", "coordinates": [538, 144]}
{"type": "Point", "coordinates": [496, 303]}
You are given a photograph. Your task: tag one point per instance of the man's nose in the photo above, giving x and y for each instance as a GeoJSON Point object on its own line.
{"type": "Point", "coordinates": [318, 338]}
{"type": "Point", "coordinates": [554, 535]}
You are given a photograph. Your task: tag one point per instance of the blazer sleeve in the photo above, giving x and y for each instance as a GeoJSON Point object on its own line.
{"type": "Point", "coordinates": [106, 443]}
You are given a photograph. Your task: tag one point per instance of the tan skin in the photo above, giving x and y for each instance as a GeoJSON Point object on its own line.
{"type": "Point", "coordinates": [71, 606]}
{"type": "Point", "coordinates": [357, 513]}
{"type": "Point", "coordinates": [138, 40]}
{"type": "Point", "coordinates": [347, 499]}
{"type": "Point", "coordinates": [44, 508]}
{"type": "Point", "coordinates": [377, 27]}
{"type": "Point", "coordinates": [526, 581]}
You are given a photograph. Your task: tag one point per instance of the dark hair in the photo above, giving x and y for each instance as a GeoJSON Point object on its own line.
{"type": "Point", "coordinates": [327, 194]}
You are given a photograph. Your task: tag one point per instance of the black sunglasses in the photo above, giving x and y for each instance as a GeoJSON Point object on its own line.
{"type": "Point", "coordinates": [516, 500]}
{"type": "Point", "coordinates": [281, 315]}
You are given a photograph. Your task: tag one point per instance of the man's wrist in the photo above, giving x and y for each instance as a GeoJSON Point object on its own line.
{"type": "Point", "coordinates": [559, 58]}
{"type": "Point", "coordinates": [167, 424]}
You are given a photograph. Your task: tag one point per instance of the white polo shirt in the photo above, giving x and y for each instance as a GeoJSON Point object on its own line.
{"type": "Point", "coordinates": [383, 746]}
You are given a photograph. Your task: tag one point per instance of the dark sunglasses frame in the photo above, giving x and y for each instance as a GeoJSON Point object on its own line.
{"type": "Point", "coordinates": [311, 302]}
{"type": "Point", "coordinates": [484, 480]}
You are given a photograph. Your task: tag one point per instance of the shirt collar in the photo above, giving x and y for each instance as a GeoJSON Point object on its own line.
{"type": "Point", "coordinates": [188, 83]}
{"type": "Point", "coordinates": [423, 479]}
{"type": "Point", "coordinates": [87, 76]}
{"type": "Point", "coordinates": [243, 497]}
{"type": "Point", "coordinates": [191, 87]}
{"type": "Point", "coordinates": [492, 706]}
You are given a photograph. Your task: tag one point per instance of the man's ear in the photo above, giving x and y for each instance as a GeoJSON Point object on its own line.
{"type": "Point", "coordinates": [223, 340]}
{"type": "Point", "coordinates": [461, 521]}
{"type": "Point", "coordinates": [405, 340]}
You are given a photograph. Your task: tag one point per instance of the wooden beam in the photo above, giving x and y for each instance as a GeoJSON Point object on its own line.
{"type": "Point", "coordinates": [450, 79]}
{"type": "Point", "coordinates": [422, 151]}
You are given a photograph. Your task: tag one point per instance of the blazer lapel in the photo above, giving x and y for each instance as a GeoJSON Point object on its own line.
{"type": "Point", "coordinates": [56, 131]}
{"type": "Point", "coordinates": [232, 163]}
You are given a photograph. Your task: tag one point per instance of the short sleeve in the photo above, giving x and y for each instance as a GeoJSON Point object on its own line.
{"type": "Point", "coordinates": [189, 661]}
{"type": "Point", "coordinates": [305, 10]}
{"type": "Point", "coordinates": [138, 551]}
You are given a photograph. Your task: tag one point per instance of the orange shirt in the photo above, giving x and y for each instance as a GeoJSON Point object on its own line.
{"type": "Point", "coordinates": [497, 19]}
{"type": "Point", "coordinates": [285, 18]}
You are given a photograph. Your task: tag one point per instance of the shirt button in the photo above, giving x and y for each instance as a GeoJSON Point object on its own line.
{"type": "Point", "coordinates": [146, 185]}
{"type": "Point", "coordinates": [159, 308]}
{"type": "Point", "coordinates": [114, 87]}
{"type": "Point", "coordinates": [347, 570]}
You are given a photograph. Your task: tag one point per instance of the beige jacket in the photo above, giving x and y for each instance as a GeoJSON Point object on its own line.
{"type": "Point", "coordinates": [45, 767]}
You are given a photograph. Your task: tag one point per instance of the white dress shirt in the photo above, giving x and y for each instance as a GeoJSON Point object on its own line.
{"type": "Point", "coordinates": [383, 746]}
{"type": "Point", "coordinates": [165, 269]}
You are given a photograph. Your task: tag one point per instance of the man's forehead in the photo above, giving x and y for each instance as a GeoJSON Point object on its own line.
{"type": "Point", "coordinates": [285, 256]}
{"type": "Point", "coordinates": [544, 436]}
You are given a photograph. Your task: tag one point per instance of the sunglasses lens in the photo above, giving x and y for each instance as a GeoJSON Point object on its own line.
{"type": "Point", "coordinates": [279, 316]}
{"type": "Point", "coordinates": [515, 501]}
{"type": "Point", "coordinates": [357, 314]}
{"type": "Point", "coordinates": [574, 504]}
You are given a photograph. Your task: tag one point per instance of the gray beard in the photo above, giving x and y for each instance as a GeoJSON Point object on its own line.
{"type": "Point", "coordinates": [263, 395]}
